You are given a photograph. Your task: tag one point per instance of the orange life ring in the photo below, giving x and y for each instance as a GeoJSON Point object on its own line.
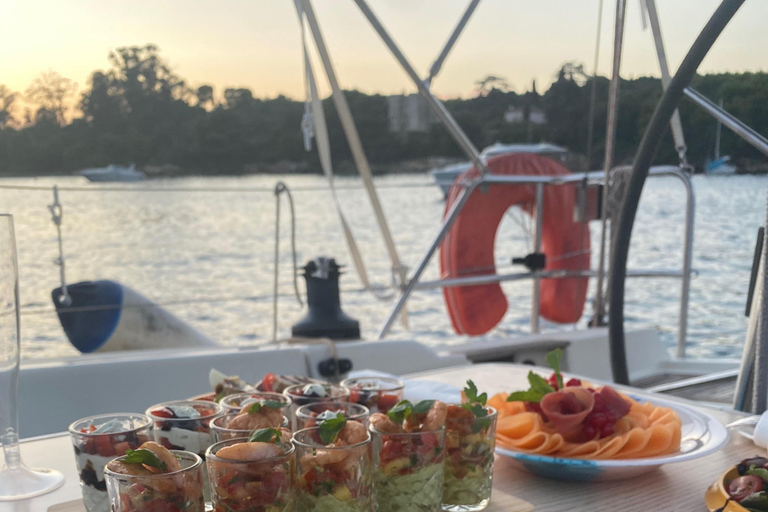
{"type": "Point", "coordinates": [468, 248]}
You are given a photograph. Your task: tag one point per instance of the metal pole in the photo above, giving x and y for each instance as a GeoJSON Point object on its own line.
{"type": "Point", "coordinates": [685, 287]}
{"type": "Point", "coordinates": [760, 388]}
{"type": "Point", "coordinates": [438, 64]}
{"type": "Point", "coordinates": [537, 248]}
{"type": "Point", "coordinates": [433, 103]}
{"type": "Point", "coordinates": [735, 125]}
{"type": "Point", "coordinates": [593, 93]}
{"type": "Point", "coordinates": [453, 214]}
{"type": "Point", "coordinates": [610, 143]}
{"type": "Point", "coordinates": [661, 54]}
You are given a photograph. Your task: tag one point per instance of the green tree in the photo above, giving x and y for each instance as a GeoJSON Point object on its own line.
{"type": "Point", "coordinates": [51, 92]}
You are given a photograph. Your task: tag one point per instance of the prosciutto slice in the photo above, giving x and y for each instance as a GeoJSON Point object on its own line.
{"type": "Point", "coordinates": [614, 402]}
{"type": "Point", "coordinates": [567, 409]}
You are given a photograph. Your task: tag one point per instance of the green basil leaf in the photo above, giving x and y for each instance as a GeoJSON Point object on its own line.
{"type": "Point", "coordinates": [265, 435]}
{"type": "Point", "coordinates": [143, 456]}
{"type": "Point", "coordinates": [255, 407]}
{"type": "Point", "coordinates": [400, 411]}
{"type": "Point", "coordinates": [539, 388]}
{"type": "Point", "coordinates": [423, 407]}
{"type": "Point", "coordinates": [330, 428]}
{"type": "Point", "coordinates": [554, 358]}
{"type": "Point", "coordinates": [761, 472]}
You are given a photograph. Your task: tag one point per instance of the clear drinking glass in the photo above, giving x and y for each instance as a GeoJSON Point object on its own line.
{"type": "Point", "coordinates": [99, 439]}
{"type": "Point", "coordinates": [174, 491]}
{"type": "Point", "coordinates": [378, 394]}
{"type": "Point", "coordinates": [235, 402]}
{"type": "Point", "coordinates": [408, 470]}
{"type": "Point", "coordinates": [302, 394]}
{"type": "Point", "coordinates": [307, 415]}
{"type": "Point", "coordinates": [469, 445]}
{"type": "Point", "coordinates": [16, 480]}
{"type": "Point", "coordinates": [332, 477]}
{"type": "Point", "coordinates": [220, 430]}
{"type": "Point", "coordinates": [265, 485]}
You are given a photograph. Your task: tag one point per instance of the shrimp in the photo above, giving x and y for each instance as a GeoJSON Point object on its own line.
{"type": "Point", "coordinates": [353, 433]}
{"type": "Point", "coordinates": [250, 452]}
{"type": "Point", "coordinates": [266, 417]}
{"type": "Point", "coordinates": [166, 457]}
{"type": "Point", "coordinates": [434, 419]}
{"type": "Point", "coordinates": [383, 423]}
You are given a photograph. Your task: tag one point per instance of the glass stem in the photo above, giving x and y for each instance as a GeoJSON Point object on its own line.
{"type": "Point", "coordinates": [11, 449]}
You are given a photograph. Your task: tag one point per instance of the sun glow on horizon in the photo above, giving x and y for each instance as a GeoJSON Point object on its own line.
{"type": "Point", "coordinates": [256, 45]}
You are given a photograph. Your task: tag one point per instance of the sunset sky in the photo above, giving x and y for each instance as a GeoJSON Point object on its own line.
{"type": "Point", "coordinates": [255, 43]}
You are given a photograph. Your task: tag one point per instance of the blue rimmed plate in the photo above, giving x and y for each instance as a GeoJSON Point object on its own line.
{"type": "Point", "coordinates": [701, 435]}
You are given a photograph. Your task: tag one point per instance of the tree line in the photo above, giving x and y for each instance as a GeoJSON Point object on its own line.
{"type": "Point", "coordinates": [140, 111]}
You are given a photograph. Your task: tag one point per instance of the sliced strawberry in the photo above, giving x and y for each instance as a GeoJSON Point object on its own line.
{"type": "Point", "coordinates": [104, 446]}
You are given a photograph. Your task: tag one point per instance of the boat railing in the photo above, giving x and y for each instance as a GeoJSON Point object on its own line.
{"type": "Point", "coordinates": [578, 179]}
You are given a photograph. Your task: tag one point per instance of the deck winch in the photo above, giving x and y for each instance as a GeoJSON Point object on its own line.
{"type": "Point", "coordinates": [324, 318]}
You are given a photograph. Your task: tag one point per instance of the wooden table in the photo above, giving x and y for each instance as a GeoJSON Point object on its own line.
{"type": "Point", "coordinates": [673, 488]}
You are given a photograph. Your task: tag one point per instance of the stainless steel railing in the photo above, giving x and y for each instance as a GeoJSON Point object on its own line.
{"type": "Point", "coordinates": [591, 178]}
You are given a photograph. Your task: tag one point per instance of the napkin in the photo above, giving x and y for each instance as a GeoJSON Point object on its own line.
{"type": "Point", "coordinates": [417, 389]}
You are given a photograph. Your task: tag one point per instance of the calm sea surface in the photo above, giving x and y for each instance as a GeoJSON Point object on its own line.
{"type": "Point", "coordinates": [209, 255]}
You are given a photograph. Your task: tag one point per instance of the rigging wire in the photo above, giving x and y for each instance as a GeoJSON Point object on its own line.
{"type": "Point", "coordinates": [215, 189]}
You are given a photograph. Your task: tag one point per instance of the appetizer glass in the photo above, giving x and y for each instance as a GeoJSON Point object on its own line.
{"type": "Point", "coordinates": [306, 415]}
{"type": "Point", "coordinates": [408, 470]}
{"type": "Point", "coordinates": [184, 432]}
{"type": "Point", "coordinates": [332, 394]}
{"type": "Point", "coordinates": [192, 434]}
{"type": "Point", "coordinates": [205, 397]}
{"type": "Point", "coordinates": [221, 432]}
{"type": "Point", "coordinates": [235, 402]}
{"type": "Point", "coordinates": [174, 491]}
{"type": "Point", "coordinates": [251, 486]}
{"type": "Point", "coordinates": [99, 439]}
{"type": "Point", "coordinates": [378, 394]}
{"type": "Point", "coordinates": [469, 444]}
{"type": "Point", "coordinates": [335, 478]}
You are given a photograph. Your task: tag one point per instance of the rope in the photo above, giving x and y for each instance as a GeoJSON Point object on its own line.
{"type": "Point", "coordinates": [215, 190]}
{"type": "Point", "coordinates": [57, 215]}
{"type": "Point", "coordinates": [281, 188]}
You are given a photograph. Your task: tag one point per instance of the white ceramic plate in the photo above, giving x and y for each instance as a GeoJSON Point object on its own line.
{"type": "Point", "coordinates": [701, 435]}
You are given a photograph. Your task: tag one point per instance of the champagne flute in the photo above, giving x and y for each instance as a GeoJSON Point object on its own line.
{"type": "Point", "coordinates": [16, 480]}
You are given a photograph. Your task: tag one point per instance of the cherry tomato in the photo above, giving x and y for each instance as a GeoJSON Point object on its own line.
{"type": "Point", "coordinates": [162, 412]}
{"type": "Point", "coordinates": [269, 381]}
{"type": "Point", "coordinates": [354, 396]}
{"type": "Point", "coordinates": [386, 402]}
{"type": "Point", "coordinates": [743, 486]}
{"type": "Point", "coordinates": [104, 446]}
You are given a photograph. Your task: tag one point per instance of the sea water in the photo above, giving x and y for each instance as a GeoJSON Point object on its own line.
{"type": "Point", "coordinates": [207, 255]}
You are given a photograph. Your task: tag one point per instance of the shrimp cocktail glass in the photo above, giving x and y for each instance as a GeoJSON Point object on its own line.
{"type": "Point", "coordinates": [233, 403]}
{"type": "Point", "coordinates": [154, 479]}
{"type": "Point", "coordinates": [408, 456]}
{"type": "Point", "coordinates": [470, 438]}
{"type": "Point", "coordinates": [236, 424]}
{"type": "Point", "coordinates": [334, 468]}
{"type": "Point", "coordinates": [378, 394]}
{"type": "Point", "coordinates": [185, 425]}
{"type": "Point", "coordinates": [99, 439]}
{"type": "Point", "coordinates": [253, 474]}
{"type": "Point", "coordinates": [310, 415]}
{"type": "Point", "coordinates": [302, 394]}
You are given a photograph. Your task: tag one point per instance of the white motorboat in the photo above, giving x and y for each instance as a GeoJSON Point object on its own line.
{"type": "Point", "coordinates": [445, 176]}
{"type": "Point", "coordinates": [719, 165]}
{"type": "Point", "coordinates": [114, 173]}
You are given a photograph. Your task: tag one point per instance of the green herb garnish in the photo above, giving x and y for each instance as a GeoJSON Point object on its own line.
{"type": "Point", "coordinates": [265, 435]}
{"type": "Point", "coordinates": [553, 358]}
{"type": "Point", "coordinates": [423, 407]}
{"type": "Point", "coordinates": [400, 411]}
{"type": "Point", "coordinates": [539, 388]}
{"type": "Point", "coordinates": [330, 428]}
{"type": "Point", "coordinates": [476, 405]}
{"type": "Point", "coordinates": [761, 472]}
{"type": "Point", "coordinates": [471, 393]}
{"type": "Point", "coordinates": [144, 456]}
{"type": "Point", "coordinates": [272, 404]}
